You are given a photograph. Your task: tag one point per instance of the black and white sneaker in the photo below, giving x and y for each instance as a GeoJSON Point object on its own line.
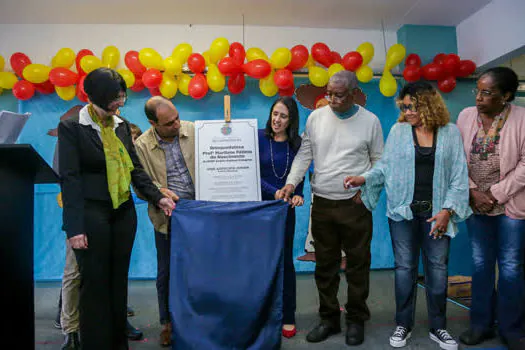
{"type": "Point", "coordinates": [444, 339]}
{"type": "Point", "coordinates": [399, 338]}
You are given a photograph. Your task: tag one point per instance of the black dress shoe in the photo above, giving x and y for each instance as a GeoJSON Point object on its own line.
{"type": "Point", "coordinates": [132, 332]}
{"type": "Point", "coordinates": [355, 334]}
{"type": "Point", "coordinates": [71, 342]}
{"type": "Point", "coordinates": [130, 312]}
{"type": "Point", "coordinates": [321, 332]}
{"type": "Point", "coordinates": [473, 337]}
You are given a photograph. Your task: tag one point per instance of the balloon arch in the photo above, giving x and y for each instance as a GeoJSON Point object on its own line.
{"type": "Point", "coordinates": [167, 76]}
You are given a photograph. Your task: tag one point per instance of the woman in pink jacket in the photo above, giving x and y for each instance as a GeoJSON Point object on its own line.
{"type": "Point", "coordinates": [494, 140]}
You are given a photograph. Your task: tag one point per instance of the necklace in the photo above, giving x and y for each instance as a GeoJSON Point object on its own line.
{"type": "Point", "coordinates": [287, 159]}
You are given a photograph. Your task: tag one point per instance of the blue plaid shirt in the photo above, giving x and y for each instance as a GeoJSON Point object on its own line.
{"type": "Point", "coordinates": [179, 179]}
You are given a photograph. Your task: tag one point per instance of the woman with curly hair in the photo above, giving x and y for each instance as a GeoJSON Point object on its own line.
{"type": "Point", "coordinates": [424, 172]}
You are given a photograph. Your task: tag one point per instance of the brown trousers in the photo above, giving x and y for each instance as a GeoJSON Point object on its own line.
{"type": "Point", "coordinates": [336, 225]}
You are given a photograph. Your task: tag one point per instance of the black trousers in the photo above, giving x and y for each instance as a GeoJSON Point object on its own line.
{"type": "Point", "coordinates": [336, 225]}
{"type": "Point", "coordinates": [163, 245]}
{"type": "Point", "coordinates": [289, 280]}
{"type": "Point", "coordinates": [104, 270]}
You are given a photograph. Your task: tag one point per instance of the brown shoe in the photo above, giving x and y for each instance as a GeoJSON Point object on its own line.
{"type": "Point", "coordinates": [165, 337]}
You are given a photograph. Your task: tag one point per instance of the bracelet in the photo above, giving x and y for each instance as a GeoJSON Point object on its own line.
{"type": "Point", "coordinates": [450, 211]}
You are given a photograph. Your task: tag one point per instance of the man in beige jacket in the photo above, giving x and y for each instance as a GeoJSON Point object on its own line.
{"type": "Point", "coordinates": [167, 153]}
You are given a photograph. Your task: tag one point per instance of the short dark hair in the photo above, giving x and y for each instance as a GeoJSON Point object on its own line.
{"type": "Point", "coordinates": [505, 79]}
{"type": "Point", "coordinates": [103, 86]}
{"type": "Point", "coordinates": [293, 122]}
{"type": "Point", "coordinates": [150, 108]}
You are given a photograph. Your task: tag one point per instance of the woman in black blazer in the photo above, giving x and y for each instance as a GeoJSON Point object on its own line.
{"type": "Point", "coordinates": [97, 165]}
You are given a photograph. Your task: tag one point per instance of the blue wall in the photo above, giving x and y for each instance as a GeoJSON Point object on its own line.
{"type": "Point", "coordinates": [49, 239]}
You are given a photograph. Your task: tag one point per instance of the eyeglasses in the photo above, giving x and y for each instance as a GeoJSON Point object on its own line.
{"type": "Point", "coordinates": [404, 108]}
{"type": "Point", "coordinates": [118, 101]}
{"type": "Point", "coordinates": [483, 93]}
{"type": "Point", "coordinates": [334, 97]}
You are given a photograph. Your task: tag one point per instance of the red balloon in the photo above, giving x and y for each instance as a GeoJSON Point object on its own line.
{"type": "Point", "coordinates": [287, 92]}
{"type": "Point", "coordinates": [237, 52]}
{"type": "Point", "coordinates": [155, 91]}
{"type": "Point", "coordinates": [257, 69]}
{"type": "Point", "coordinates": [133, 63]}
{"type": "Point", "coordinates": [138, 86]}
{"type": "Point", "coordinates": [433, 71]}
{"type": "Point", "coordinates": [45, 88]}
{"type": "Point", "coordinates": [236, 83]}
{"type": "Point", "coordinates": [152, 78]}
{"type": "Point", "coordinates": [198, 87]}
{"type": "Point", "coordinates": [18, 62]}
{"type": "Point", "coordinates": [412, 73]}
{"type": "Point", "coordinates": [299, 57]}
{"type": "Point", "coordinates": [336, 57]}
{"type": "Point", "coordinates": [413, 60]}
{"type": "Point", "coordinates": [62, 77]}
{"type": "Point", "coordinates": [80, 84]}
{"type": "Point", "coordinates": [352, 61]}
{"type": "Point", "coordinates": [451, 64]}
{"type": "Point", "coordinates": [228, 66]}
{"type": "Point", "coordinates": [439, 58]}
{"type": "Point", "coordinates": [322, 54]}
{"type": "Point", "coordinates": [23, 90]}
{"type": "Point", "coordinates": [80, 54]}
{"type": "Point", "coordinates": [283, 78]}
{"type": "Point", "coordinates": [466, 68]}
{"type": "Point", "coordinates": [448, 84]}
{"type": "Point", "coordinates": [196, 63]}
{"type": "Point", "coordinates": [81, 95]}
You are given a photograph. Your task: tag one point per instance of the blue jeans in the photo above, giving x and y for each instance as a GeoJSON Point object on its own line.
{"type": "Point", "coordinates": [502, 239]}
{"type": "Point", "coordinates": [408, 238]}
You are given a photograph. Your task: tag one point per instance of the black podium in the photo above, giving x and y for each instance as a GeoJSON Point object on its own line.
{"type": "Point", "coordinates": [20, 168]}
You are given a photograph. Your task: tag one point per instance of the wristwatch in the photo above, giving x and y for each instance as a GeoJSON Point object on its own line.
{"type": "Point", "coordinates": [450, 211]}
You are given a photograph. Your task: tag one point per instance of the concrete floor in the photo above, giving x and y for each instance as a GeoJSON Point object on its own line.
{"type": "Point", "coordinates": [142, 297]}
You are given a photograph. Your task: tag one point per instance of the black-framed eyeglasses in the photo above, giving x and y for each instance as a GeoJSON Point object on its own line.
{"type": "Point", "coordinates": [404, 108]}
{"type": "Point", "coordinates": [483, 93]}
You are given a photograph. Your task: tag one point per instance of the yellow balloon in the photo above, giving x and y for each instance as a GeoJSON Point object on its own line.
{"type": "Point", "coordinates": [206, 56]}
{"type": "Point", "coordinates": [110, 57]}
{"type": "Point", "coordinates": [151, 59]}
{"type": "Point", "coordinates": [66, 93]}
{"type": "Point", "coordinates": [2, 63]}
{"type": "Point", "coordinates": [128, 76]}
{"type": "Point", "coordinates": [65, 57]}
{"type": "Point", "coordinates": [254, 53]}
{"type": "Point", "coordinates": [168, 87]}
{"type": "Point", "coordinates": [218, 49]}
{"type": "Point", "coordinates": [182, 52]}
{"type": "Point", "coordinates": [364, 74]}
{"type": "Point", "coordinates": [7, 80]}
{"type": "Point", "coordinates": [367, 51]}
{"type": "Point", "coordinates": [281, 58]}
{"type": "Point", "coordinates": [334, 68]}
{"type": "Point", "coordinates": [215, 79]}
{"type": "Point", "coordinates": [89, 63]}
{"type": "Point", "coordinates": [173, 65]}
{"type": "Point", "coordinates": [388, 84]}
{"type": "Point", "coordinates": [268, 86]}
{"type": "Point", "coordinates": [318, 76]}
{"type": "Point", "coordinates": [36, 73]}
{"type": "Point", "coordinates": [184, 81]}
{"type": "Point", "coordinates": [395, 56]}
{"type": "Point", "coordinates": [310, 62]}
{"type": "Point", "coordinates": [59, 200]}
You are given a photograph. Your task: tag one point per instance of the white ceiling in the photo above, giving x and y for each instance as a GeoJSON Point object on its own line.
{"type": "Point", "coordinates": [349, 14]}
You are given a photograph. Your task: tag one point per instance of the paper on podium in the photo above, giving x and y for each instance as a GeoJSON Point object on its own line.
{"type": "Point", "coordinates": [11, 125]}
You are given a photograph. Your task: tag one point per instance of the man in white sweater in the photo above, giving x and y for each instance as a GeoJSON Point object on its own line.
{"type": "Point", "coordinates": [341, 138]}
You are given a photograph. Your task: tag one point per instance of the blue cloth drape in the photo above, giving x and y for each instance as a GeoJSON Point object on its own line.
{"type": "Point", "coordinates": [227, 274]}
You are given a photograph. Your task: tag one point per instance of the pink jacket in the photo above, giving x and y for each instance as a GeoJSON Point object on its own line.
{"type": "Point", "coordinates": [510, 190]}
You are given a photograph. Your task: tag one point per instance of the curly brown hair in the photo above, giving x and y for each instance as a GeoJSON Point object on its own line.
{"type": "Point", "coordinates": [428, 103]}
